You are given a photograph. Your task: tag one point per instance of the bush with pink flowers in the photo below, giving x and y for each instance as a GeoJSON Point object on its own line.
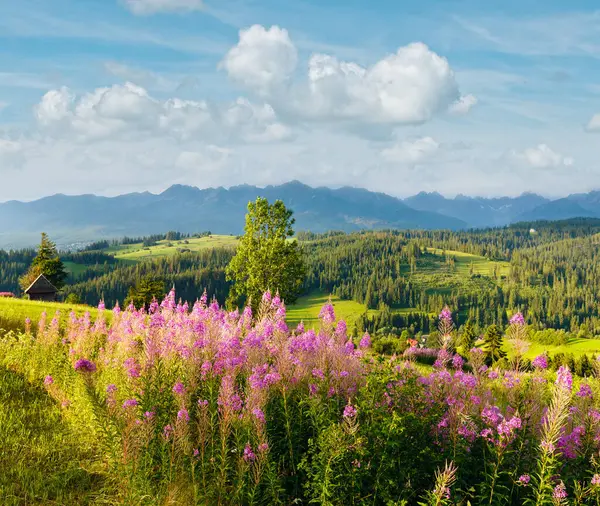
{"type": "Point", "coordinates": [204, 406]}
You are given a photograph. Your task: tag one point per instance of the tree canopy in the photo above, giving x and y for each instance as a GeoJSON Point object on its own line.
{"type": "Point", "coordinates": [266, 259]}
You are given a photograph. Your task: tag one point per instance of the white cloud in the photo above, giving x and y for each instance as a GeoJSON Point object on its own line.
{"type": "Point", "coordinates": [463, 105]}
{"type": "Point", "coordinates": [411, 152]}
{"type": "Point", "coordinates": [130, 112]}
{"type": "Point", "coordinates": [407, 87]}
{"type": "Point", "coordinates": [146, 7]}
{"type": "Point", "coordinates": [542, 157]}
{"type": "Point", "coordinates": [263, 59]}
{"type": "Point", "coordinates": [594, 124]}
{"type": "Point", "coordinates": [55, 106]}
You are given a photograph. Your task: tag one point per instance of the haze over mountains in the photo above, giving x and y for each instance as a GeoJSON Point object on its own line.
{"type": "Point", "coordinates": [71, 219]}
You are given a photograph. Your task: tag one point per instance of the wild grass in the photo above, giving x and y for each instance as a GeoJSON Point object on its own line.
{"type": "Point", "coordinates": [42, 459]}
{"type": "Point", "coordinates": [14, 312]}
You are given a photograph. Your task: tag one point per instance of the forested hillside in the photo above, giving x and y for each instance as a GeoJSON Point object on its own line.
{"type": "Point", "coordinates": [548, 269]}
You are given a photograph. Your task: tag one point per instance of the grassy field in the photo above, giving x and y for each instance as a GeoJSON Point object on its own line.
{"type": "Point", "coordinates": [307, 309]}
{"type": "Point", "coordinates": [13, 312]}
{"type": "Point", "coordinates": [481, 265]}
{"type": "Point", "coordinates": [575, 346]}
{"type": "Point", "coordinates": [137, 252]}
{"type": "Point", "coordinates": [41, 460]}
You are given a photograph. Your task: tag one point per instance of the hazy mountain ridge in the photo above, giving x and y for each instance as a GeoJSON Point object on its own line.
{"type": "Point", "coordinates": [189, 209]}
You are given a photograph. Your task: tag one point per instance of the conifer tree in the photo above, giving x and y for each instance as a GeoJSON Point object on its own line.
{"type": "Point", "coordinates": [46, 262]}
{"type": "Point", "coordinates": [468, 336]}
{"type": "Point", "coordinates": [493, 343]}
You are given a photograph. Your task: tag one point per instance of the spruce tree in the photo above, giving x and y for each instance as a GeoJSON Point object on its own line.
{"type": "Point", "coordinates": [468, 337]}
{"type": "Point", "coordinates": [46, 262]}
{"type": "Point", "coordinates": [493, 343]}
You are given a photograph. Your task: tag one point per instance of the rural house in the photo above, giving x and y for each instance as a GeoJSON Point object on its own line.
{"type": "Point", "coordinates": [42, 289]}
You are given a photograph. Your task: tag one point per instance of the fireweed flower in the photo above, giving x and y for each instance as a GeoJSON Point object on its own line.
{"type": "Point", "coordinates": [365, 342]}
{"type": "Point", "coordinates": [524, 479]}
{"type": "Point", "coordinates": [249, 455]}
{"type": "Point", "coordinates": [457, 362]}
{"type": "Point", "coordinates": [540, 362]}
{"type": "Point", "coordinates": [183, 414]}
{"type": "Point", "coordinates": [564, 378]}
{"type": "Point", "coordinates": [596, 480]}
{"type": "Point", "coordinates": [48, 380]}
{"type": "Point", "coordinates": [584, 390]}
{"type": "Point", "coordinates": [167, 432]}
{"type": "Point", "coordinates": [130, 403]}
{"type": "Point", "coordinates": [560, 492]}
{"type": "Point", "coordinates": [327, 314]}
{"type": "Point", "coordinates": [517, 319]}
{"type": "Point", "coordinates": [84, 365]}
{"type": "Point", "coordinates": [349, 411]}
{"type": "Point", "coordinates": [179, 388]}
{"type": "Point", "coordinates": [111, 389]}
{"type": "Point", "coordinates": [259, 415]}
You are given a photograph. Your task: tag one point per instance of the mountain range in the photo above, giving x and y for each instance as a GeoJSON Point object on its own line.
{"type": "Point", "coordinates": [84, 218]}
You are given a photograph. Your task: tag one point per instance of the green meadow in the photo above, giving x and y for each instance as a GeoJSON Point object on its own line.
{"type": "Point", "coordinates": [137, 252]}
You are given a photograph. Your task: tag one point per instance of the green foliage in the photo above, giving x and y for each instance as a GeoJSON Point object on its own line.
{"type": "Point", "coordinates": [265, 259]}
{"type": "Point", "coordinates": [146, 290]}
{"type": "Point", "coordinates": [72, 298]}
{"type": "Point", "coordinates": [46, 262]}
{"type": "Point", "coordinates": [468, 336]}
{"type": "Point", "coordinates": [492, 342]}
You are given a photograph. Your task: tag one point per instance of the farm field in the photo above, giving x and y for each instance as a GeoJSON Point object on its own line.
{"type": "Point", "coordinates": [137, 252]}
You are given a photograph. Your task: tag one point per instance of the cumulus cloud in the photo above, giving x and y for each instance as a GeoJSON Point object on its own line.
{"type": "Point", "coordinates": [129, 111]}
{"type": "Point", "coordinates": [263, 59]}
{"type": "Point", "coordinates": [147, 7]}
{"type": "Point", "coordinates": [542, 157]}
{"type": "Point", "coordinates": [411, 152]}
{"type": "Point", "coordinates": [594, 124]}
{"type": "Point", "coordinates": [463, 105]}
{"type": "Point", "coordinates": [407, 87]}
{"type": "Point", "coordinates": [55, 106]}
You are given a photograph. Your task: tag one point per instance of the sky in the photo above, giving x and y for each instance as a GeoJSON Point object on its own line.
{"type": "Point", "coordinates": [455, 96]}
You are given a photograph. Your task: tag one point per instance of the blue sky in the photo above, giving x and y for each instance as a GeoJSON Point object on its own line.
{"type": "Point", "coordinates": [479, 98]}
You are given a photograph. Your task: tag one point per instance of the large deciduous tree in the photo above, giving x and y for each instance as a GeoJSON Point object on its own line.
{"type": "Point", "coordinates": [266, 259]}
{"type": "Point", "coordinates": [46, 262]}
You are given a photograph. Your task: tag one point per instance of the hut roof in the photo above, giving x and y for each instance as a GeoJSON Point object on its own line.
{"type": "Point", "coordinates": [41, 285]}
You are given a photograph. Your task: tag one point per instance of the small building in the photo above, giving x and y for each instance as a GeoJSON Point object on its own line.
{"type": "Point", "coordinates": [42, 289]}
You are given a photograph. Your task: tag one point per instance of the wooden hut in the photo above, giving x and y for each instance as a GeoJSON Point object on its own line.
{"type": "Point", "coordinates": [42, 289]}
